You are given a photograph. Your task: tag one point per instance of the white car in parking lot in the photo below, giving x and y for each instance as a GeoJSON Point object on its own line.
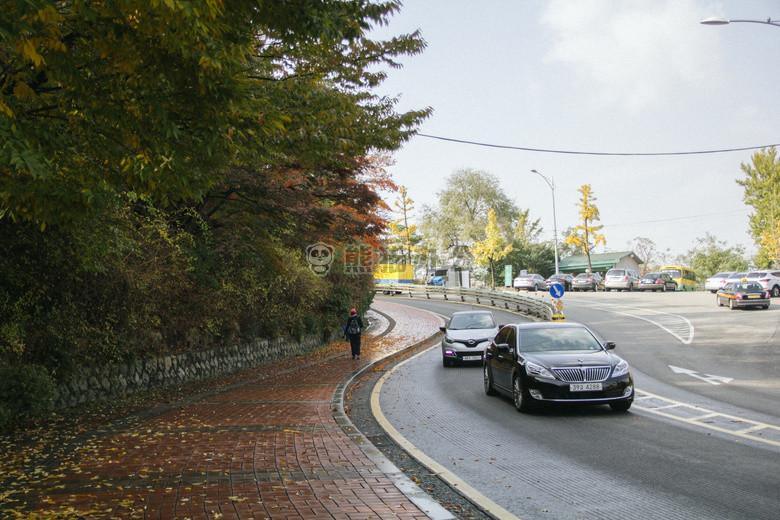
{"type": "Point", "coordinates": [716, 281]}
{"type": "Point", "coordinates": [769, 280]}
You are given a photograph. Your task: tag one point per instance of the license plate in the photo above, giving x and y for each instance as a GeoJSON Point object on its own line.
{"type": "Point", "coordinates": [754, 296]}
{"type": "Point", "coordinates": [472, 358]}
{"type": "Point", "coordinates": [585, 387]}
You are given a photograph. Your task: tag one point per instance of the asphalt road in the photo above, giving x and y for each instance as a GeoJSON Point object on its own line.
{"type": "Point", "coordinates": [702, 440]}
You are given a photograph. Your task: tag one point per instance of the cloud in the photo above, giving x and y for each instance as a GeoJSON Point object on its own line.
{"type": "Point", "coordinates": [631, 54]}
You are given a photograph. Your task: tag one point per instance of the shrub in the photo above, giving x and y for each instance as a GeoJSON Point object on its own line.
{"type": "Point", "coordinates": [26, 392]}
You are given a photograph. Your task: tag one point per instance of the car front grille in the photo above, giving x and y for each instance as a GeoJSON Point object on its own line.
{"type": "Point", "coordinates": [582, 375]}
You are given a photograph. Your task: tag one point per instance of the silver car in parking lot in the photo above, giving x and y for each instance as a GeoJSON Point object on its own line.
{"type": "Point", "coordinates": [621, 279]}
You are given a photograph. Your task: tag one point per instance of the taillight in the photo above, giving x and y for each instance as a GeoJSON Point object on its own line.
{"type": "Point", "coordinates": [764, 280]}
{"type": "Point", "coordinates": [739, 296]}
{"type": "Point", "coordinates": [658, 281]}
{"type": "Point", "coordinates": [767, 295]}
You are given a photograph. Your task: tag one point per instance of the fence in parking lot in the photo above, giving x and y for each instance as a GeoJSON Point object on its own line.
{"type": "Point", "coordinates": [526, 304]}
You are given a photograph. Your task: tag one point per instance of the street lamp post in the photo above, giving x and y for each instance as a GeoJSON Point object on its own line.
{"type": "Point", "coordinates": [716, 20]}
{"type": "Point", "coordinates": [551, 184]}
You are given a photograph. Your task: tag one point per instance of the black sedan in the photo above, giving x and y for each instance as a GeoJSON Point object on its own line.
{"type": "Point", "coordinates": [537, 363]}
{"type": "Point", "coordinates": [743, 294]}
{"type": "Point", "coordinates": [657, 282]}
{"type": "Point", "coordinates": [563, 279]}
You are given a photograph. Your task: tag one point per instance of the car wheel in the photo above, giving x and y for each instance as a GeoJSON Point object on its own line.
{"type": "Point", "coordinates": [520, 397]}
{"type": "Point", "coordinates": [487, 380]}
{"type": "Point", "coordinates": [631, 288]}
{"type": "Point", "coordinates": [717, 300]}
{"type": "Point", "coordinates": [776, 291]}
{"type": "Point", "coordinates": [731, 304]}
{"type": "Point", "coordinates": [663, 288]}
{"type": "Point", "coordinates": [621, 406]}
{"type": "Point", "coordinates": [765, 306]}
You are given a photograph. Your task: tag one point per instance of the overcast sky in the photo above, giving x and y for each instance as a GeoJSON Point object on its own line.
{"type": "Point", "coordinates": [597, 76]}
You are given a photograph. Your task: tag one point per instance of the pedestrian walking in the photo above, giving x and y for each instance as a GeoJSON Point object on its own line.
{"type": "Point", "coordinates": [352, 332]}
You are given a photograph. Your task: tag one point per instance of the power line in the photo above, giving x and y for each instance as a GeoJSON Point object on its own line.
{"type": "Point", "coordinates": [570, 152]}
{"type": "Point", "coordinates": [722, 213]}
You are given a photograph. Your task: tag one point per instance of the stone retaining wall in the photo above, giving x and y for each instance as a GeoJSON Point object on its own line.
{"type": "Point", "coordinates": [100, 383]}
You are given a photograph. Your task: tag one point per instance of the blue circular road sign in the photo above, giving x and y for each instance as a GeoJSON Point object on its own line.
{"type": "Point", "coordinates": [556, 290]}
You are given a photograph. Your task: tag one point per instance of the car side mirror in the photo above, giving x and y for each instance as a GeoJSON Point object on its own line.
{"type": "Point", "coordinates": [609, 345]}
{"type": "Point", "coordinates": [443, 329]}
{"type": "Point", "coordinates": [503, 346]}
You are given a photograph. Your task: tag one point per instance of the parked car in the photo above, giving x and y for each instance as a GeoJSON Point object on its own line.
{"type": "Point", "coordinates": [539, 363]}
{"type": "Point", "coordinates": [621, 279]}
{"type": "Point", "coordinates": [736, 277]}
{"type": "Point", "coordinates": [530, 282]}
{"type": "Point", "coordinates": [743, 294]}
{"type": "Point", "coordinates": [466, 336]}
{"type": "Point", "coordinates": [769, 280]}
{"type": "Point", "coordinates": [716, 281]}
{"type": "Point", "coordinates": [563, 279]}
{"type": "Point", "coordinates": [657, 282]}
{"type": "Point", "coordinates": [438, 281]}
{"type": "Point", "coordinates": [588, 282]}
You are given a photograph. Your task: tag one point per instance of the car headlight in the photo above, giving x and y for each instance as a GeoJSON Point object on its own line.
{"type": "Point", "coordinates": [534, 370]}
{"type": "Point", "coordinates": [447, 339]}
{"type": "Point", "coordinates": [620, 369]}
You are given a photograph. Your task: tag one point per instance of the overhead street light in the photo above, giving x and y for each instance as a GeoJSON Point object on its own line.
{"type": "Point", "coordinates": [551, 184]}
{"type": "Point", "coordinates": [716, 20]}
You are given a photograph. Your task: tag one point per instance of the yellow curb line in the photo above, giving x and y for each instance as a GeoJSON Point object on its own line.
{"type": "Point", "coordinates": [453, 480]}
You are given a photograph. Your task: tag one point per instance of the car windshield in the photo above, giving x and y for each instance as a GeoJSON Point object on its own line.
{"type": "Point", "coordinates": [472, 321]}
{"type": "Point", "coordinates": [616, 272]}
{"type": "Point", "coordinates": [582, 276]}
{"type": "Point", "coordinates": [556, 339]}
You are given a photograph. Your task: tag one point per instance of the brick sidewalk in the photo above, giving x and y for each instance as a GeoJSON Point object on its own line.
{"type": "Point", "coordinates": [266, 446]}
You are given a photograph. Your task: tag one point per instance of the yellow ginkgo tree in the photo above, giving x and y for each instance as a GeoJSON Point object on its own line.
{"type": "Point", "coordinates": [493, 248]}
{"type": "Point", "coordinates": [586, 236]}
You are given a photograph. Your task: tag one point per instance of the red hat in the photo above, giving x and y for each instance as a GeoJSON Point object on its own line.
{"type": "Point", "coordinates": [353, 311]}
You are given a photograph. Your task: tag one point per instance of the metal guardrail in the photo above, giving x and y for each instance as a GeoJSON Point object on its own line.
{"type": "Point", "coordinates": [525, 304]}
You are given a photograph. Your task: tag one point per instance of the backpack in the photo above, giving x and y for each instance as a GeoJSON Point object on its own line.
{"type": "Point", "coordinates": [354, 327]}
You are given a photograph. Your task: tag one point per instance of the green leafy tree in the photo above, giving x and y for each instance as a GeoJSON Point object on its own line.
{"type": "Point", "coordinates": [163, 166]}
{"type": "Point", "coordinates": [711, 256]}
{"type": "Point", "coordinates": [762, 192]}
{"type": "Point", "coordinates": [586, 236]}
{"type": "Point", "coordinates": [492, 249]}
{"type": "Point", "coordinates": [461, 215]}
{"type": "Point", "coordinates": [162, 98]}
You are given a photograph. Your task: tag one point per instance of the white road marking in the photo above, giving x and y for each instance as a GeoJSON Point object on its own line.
{"type": "Point", "coordinates": [709, 419]}
{"type": "Point", "coordinates": [713, 380]}
{"type": "Point", "coordinates": [678, 326]}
